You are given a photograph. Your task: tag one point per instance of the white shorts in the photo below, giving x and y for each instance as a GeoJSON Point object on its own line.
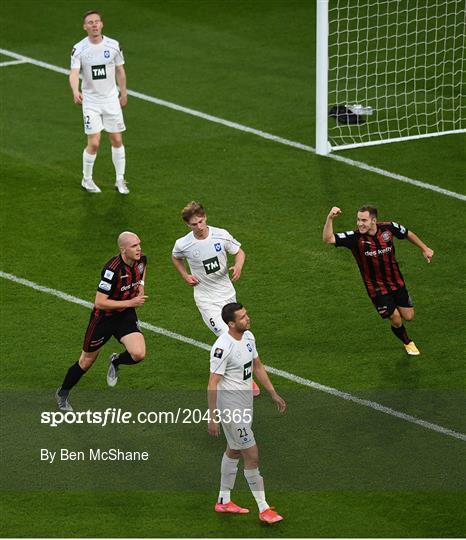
{"type": "Point", "coordinates": [236, 414]}
{"type": "Point", "coordinates": [239, 435]}
{"type": "Point", "coordinates": [212, 315]}
{"type": "Point", "coordinates": [99, 116]}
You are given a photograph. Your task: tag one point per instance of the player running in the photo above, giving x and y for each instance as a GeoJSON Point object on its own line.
{"type": "Point", "coordinates": [373, 248]}
{"type": "Point", "coordinates": [233, 360]}
{"type": "Point", "coordinates": [120, 291]}
{"type": "Point", "coordinates": [206, 249]}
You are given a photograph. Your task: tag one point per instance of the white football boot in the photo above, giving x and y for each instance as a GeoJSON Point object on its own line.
{"type": "Point", "coordinates": [90, 186]}
{"type": "Point", "coordinates": [122, 187]}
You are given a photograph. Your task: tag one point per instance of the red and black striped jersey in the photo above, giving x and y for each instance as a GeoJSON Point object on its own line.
{"type": "Point", "coordinates": [375, 255]}
{"type": "Point", "coordinates": [119, 281]}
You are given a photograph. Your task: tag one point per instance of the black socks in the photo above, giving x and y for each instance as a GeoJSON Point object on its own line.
{"type": "Point", "coordinates": [401, 334]}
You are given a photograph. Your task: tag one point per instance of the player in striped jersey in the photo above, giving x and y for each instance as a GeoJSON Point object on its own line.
{"type": "Point", "coordinates": [120, 291]}
{"type": "Point", "coordinates": [373, 248]}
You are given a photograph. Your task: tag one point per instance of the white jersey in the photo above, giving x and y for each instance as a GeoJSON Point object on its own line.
{"type": "Point", "coordinates": [234, 360]}
{"type": "Point", "coordinates": [208, 261]}
{"type": "Point", "coordinates": [97, 64]}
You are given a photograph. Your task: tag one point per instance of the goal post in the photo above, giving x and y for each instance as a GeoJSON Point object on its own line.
{"type": "Point", "coordinates": [388, 71]}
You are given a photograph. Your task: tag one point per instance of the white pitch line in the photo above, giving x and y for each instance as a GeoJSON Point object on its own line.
{"type": "Point", "coordinates": [12, 63]}
{"type": "Point", "coordinates": [253, 131]}
{"type": "Point", "coordinates": [279, 372]}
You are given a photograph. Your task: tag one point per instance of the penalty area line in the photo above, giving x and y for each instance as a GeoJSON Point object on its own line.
{"type": "Point", "coordinates": [264, 135]}
{"type": "Point", "coordinates": [278, 372]}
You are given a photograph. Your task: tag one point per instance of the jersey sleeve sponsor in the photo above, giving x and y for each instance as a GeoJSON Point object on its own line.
{"type": "Point", "coordinates": [218, 357]}
{"type": "Point", "coordinates": [345, 239]}
{"type": "Point", "coordinates": [104, 286]}
{"type": "Point", "coordinates": [108, 280]}
{"type": "Point", "coordinates": [400, 231]}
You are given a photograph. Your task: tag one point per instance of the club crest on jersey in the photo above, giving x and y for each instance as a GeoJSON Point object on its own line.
{"type": "Point", "coordinates": [218, 353]}
{"type": "Point", "coordinates": [249, 347]}
{"type": "Point", "coordinates": [218, 246]}
{"type": "Point", "coordinates": [99, 72]}
{"type": "Point", "coordinates": [196, 253]}
{"type": "Point", "coordinates": [386, 236]}
{"type": "Point", "coordinates": [107, 54]}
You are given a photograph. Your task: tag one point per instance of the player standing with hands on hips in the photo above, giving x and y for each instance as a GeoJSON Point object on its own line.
{"type": "Point", "coordinates": [206, 249]}
{"type": "Point", "coordinates": [374, 250]}
{"type": "Point", "coordinates": [100, 61]}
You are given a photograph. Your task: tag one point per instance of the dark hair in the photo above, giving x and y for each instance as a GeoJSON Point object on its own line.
{"type": "Point", "coordinates": [192, 209]}
{"type": "Point", "coordinates": [229, 310]}
{"type": "Point", "coordinates": [91, 12]}
{"type": "Point", "coordinates": [369, 208]}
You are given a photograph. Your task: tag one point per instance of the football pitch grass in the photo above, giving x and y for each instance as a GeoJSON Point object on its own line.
{"type": "Point", "coordinates": [332, 467]}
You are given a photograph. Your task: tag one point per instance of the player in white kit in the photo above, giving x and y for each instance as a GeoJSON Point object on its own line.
{"type": "Point", "coordinates": [100, 62]}
{"type": "Point", "coordinates": [233, 360]}
{"type": "Point", "coordinates": [206, 249]}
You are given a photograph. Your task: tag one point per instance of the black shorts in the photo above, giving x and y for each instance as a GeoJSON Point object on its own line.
{"type": "Point", "coordinates": [101, 328]}
{"type": "Point", "coordinates": [387, 303]}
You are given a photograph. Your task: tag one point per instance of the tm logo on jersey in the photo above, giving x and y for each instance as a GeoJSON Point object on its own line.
{"type": "Point", "coordinates": [99, 72]}
{"type": "Point", "coordinates": [247, 371]}
{"type": "Point", "coordinates": [211, 265]}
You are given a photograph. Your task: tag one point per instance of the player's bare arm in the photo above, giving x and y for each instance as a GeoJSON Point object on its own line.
{"type": "Point", "coordinates": [180, 266]}
{"type": "Point", "coordinates": [236, 270]}
{"type": "Point", "coordinates": [213, 427]}
{"type": "Point", "coordinates": [426, 251]}
{"type": "Point", "coordinates": [141, 285]}
{"type": "Point", "coordinates": [102, 301]}
{"type": "Point", "coordinates": [327, 234]}
{"type": "Point", "coordinates": [262, 376]}
{"type": "Point", "coordinates": [120, 75]}
{"type": "Point", "coordinates": [74, 83]}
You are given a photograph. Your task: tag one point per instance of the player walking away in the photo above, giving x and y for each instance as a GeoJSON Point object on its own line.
{"type": "Point", "coordinates": [373, 248]}
{"type": "Point", "coordinates": [100, 61]}
{"type": "Point", "coordinates": [120, 291]}
{"type": "Point", "coordinates": [206, 249]}
{"type": "Point", "coordinates": [233, 359]}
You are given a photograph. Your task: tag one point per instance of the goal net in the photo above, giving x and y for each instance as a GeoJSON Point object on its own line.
{"type": "Point", "coordinates": [389, 70]}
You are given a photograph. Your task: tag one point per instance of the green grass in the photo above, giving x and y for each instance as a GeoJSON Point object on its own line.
{"type": "Point", "coordinates": [331, 467]}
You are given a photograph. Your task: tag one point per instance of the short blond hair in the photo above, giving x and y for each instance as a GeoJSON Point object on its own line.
{"type": "Point", "coordinates": [192, 209]}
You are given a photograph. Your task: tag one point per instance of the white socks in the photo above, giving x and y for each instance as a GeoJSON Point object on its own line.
{"type": "Point", "coordinates": [228, 470]}
{"type": "Point", "coordinates": [88, 165]}
{"type": "Point", "coordinates": [256, 485]}
{"type": "Point", "coordinates": [119, 162]}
